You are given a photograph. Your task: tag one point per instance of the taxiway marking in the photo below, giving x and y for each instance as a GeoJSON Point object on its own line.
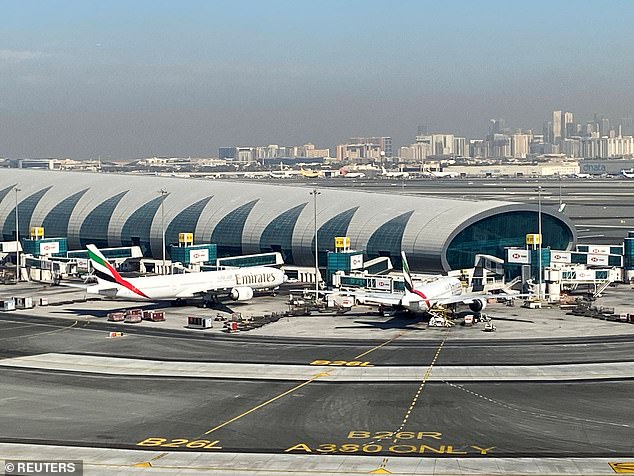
{"type": "Point", "coordinates": [271, 400]}
{"type": "Point", "coordinates": [379, 346]}
{"type": "Point", "coordinates": [61, 329]}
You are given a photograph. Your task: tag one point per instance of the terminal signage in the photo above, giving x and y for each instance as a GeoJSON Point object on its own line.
{"type": "Point", "coordinates": [585, 274]}
{"type": "Point", "coordinates": [600, 250]}
{"type": "Point", "coordinates": [564, 257]}
{"type": "Point", "coordinates": [518, 256]}
{"type": "Point", "coordinates": [199, 256]}
{"type": "Point", "coordinates": [597, 260]}
{"type": "Point", "coordinates": [49, 248]}
{"type": "Point", "coordinates": [533, 239]}
{"type": "Point", "coordinates": [356, 262]}
{"type": "Point", "coordinates": [383, 284]}
{"type": "Point", "coordinates": [82, 264]}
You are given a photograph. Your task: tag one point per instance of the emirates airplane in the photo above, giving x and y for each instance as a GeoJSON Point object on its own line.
{"type": "Point", "coordinates": [426, 296]}
{"type": "Point", "coordinates": [239, 283]}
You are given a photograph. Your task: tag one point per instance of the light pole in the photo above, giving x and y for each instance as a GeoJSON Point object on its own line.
{"type": "Point", "coordinates": [314, 193]}
{"type": "Point", "coordinates": [17, 237]}
{"type": "Point", "coordinates": [539, 220]}
{"type": "Point", "coordinates": [163, 193]}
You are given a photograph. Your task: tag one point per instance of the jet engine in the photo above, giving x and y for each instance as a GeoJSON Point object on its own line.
{"type": "Point", "coordinates": [478, 305]}
{"type": "Point", "coordinates": [241, 293]}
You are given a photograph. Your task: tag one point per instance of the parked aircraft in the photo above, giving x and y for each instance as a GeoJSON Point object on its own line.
{"type": "Point", "coordinates": [238, 283]}
{"type": "Point", "coordinates": [399, 174]}
{"type": "Point", "coordinates": [436, 174]}
{"type": "Point", "coordinates": [424, 297]}
{"type": "Point", "coordinates": [284, 174]}
{"type": "Point", "coordinates": [309, 173]}
{"type": "Point", "coordinates": [351, 175]}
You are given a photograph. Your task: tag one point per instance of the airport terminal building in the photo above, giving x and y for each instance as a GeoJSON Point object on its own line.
{"type": "Point", "coordinates": [251, 217]}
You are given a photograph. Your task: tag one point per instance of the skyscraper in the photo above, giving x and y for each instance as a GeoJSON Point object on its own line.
{"type": "Point", "coordinates": [519, 145]}
{"type": "Point", "coordinates": [496, 126]}
{"type": "Point", "coordinates": [604, 126]}
{"type": "Point", "coordinates": [627, 126]}
{"type": "Point", "coordinates": [384, 143]}
{"type": "Point", "coordinates": [567, 124]}
{"type": "Point", "coordinates": [556, 135]}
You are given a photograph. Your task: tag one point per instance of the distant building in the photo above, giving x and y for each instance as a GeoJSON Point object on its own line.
{"type": "Point", "coordinates": [556, 127]}
{"type": "Point", "coordinates": [226, 153]}
{"type": "Point", "coordinates": [417, 152]}
{"type": "Point", "coordinates": [568, 127]}
{"type": "Point", "coordinates": [245, 155]}
{"type": "Point", "coordinates": [272, 151]}
{"type": "Point", "coordinates": [514, 170]}
{"type": "Point", "coordinates": [497, 126]}
{"type": "Point", "coordinates": [520, 146]}
{"type": "Point", "coordinates": [442, 144]}
{"type": "Point", "coordinates": [460, 148]}
{"type": "Point", "coordinates": [384, 143]}
{"type": "Point", "coordinates": [627, 126]}
{"type": "Point", "coordinates": [362, 153]}
{"type": "Point", "coordinates": [499, 146]}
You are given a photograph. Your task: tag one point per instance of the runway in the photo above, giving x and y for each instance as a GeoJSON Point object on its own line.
{"type": "Point", "coordinates": [431, 414]}
{"type": "Point", "coordinates": [30, 335]}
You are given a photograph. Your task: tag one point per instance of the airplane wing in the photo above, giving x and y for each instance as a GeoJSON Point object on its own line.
{"type": "Point", "coordinates": [198, 290]}
{"type": "Point", "coordinates": [72, 285]}
{"type": "Point", "coordinates": [465, 298]}
{"type": "Point", "coordinates": [468, 298]}
{"type": "Point", "coordinates": [378, 298]}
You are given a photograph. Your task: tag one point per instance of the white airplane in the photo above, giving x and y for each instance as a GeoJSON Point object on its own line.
{"type": "Point", "coordinates": [400, 174]}
{"type": "Point", "coordinates": [437, 174]}
{"type": "Point", "coordinates": [351, 175]}
{"type": "Point", "coordinates": [239, 283]}
{"type": "Point", "coordinates": [286, 174]}
{"type": "Point", "coordinates": [424, 297]}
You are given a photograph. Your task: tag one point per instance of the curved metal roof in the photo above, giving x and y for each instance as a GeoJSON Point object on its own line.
{"type": "Point", "coordinates": [429, 224]}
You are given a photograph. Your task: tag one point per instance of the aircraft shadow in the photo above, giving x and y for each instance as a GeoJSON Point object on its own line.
{"type": "Point", "coordinates": [396, 322]}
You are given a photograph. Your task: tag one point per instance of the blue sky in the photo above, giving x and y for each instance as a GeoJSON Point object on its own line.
{"type": "Point", "coordinates": [137, 78]}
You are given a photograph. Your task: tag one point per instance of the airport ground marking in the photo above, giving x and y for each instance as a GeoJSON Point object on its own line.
{"type": "Point", "coordinates": [373, 448]}
{"type": "Point", "coordinates": [199, 444]}
{"type": "Point", "coordinates": [622, 467]}
{"type": "Point", "coordinates": [341, 363]}
{"type": "Point", "coordinates": [416, 395]}
{"type": "Point", "coordinates": [381, 469]}
{"type": "Point", "coordinates": [271, 400]}
{"type": "Point", "coordinates": [558, 417]}
{"type": "Point", "coordinates": [420, 389]}
{"type": "Point", "coordinates": [379, 346]}
{"type": "Point", "coordinates": [62, 329]}
{"type": "Point", "coordinates": [231, 469]}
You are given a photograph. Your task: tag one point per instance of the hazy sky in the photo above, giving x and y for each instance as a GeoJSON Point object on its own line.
{"type": "Point", "coordinates": [127, 79]}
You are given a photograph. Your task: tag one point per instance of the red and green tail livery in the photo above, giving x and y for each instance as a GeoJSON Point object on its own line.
{"type": "Point", "coordinates": [105, 272]}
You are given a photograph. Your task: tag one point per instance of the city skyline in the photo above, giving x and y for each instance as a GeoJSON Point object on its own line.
{"type": "Point", "coordinates": [154, 78]}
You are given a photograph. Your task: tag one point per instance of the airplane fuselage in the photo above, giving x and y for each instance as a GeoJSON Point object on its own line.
{"type": "Point", "coordinates": [189, 285]}
{"type": "Point", "coordinates": [426, 296]}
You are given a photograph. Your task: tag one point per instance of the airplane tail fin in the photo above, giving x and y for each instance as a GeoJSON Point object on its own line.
{"type": "Point", "coordinates": [107, 274]}
{"type": "Point", "coordinates": [409, 284]}
{"type": "Point", "coordinates": [103, 270]}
